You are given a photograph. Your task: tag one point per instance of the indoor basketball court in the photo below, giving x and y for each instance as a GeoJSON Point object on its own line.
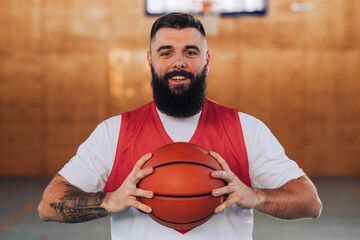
{"type": "Point", "coordinates": [66, 66]}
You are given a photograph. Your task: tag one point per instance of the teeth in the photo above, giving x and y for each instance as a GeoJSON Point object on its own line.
{"type": "Point", "coordinates": [178, 77]}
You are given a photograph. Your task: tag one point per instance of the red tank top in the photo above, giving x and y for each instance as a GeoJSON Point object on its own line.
{"type": "Point", "coordinates": [141, 132]}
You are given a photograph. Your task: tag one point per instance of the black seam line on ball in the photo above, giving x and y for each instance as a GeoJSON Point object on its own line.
{"type": "Point", "coordinates": [182, 222]}
{"type": "Point", "coordinates": [180, 162]}
{"type": "Point", "coordinates": [183, 196]}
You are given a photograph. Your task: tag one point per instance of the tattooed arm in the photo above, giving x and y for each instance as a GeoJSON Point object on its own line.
{"type": "Point", "coordinates": [64, 202]}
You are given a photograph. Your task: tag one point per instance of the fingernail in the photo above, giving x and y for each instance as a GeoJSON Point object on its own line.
{"type": "Point", "coordinates": [216, 192]}
{"type": "Point", "coordinates": [148, 209]}
{"type": "Point", "coordinates": [217, 210]}
{"type": "Point", "coordinates": [149, 194]}
{"type": "Point", "coordinates": [148, 155]}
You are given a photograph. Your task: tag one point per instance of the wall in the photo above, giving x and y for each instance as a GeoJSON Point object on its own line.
{"type": "Point", "coordinates": [67, 65]}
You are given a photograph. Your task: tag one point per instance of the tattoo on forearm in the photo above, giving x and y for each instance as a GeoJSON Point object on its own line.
{"type": "Point", "coordinates": [78, 206]}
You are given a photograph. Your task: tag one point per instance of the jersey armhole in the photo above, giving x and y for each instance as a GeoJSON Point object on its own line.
{"type": "Point", "coordinates": [243, 147]}
{"type": "Point", "coordinates": [118, 149]}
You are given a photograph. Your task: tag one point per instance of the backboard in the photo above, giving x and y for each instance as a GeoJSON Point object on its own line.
{"type": "Point", "coordinates": [219, 7]}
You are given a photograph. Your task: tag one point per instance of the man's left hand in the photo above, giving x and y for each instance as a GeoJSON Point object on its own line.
{"type": "Point", "coordinates": [236, 190]}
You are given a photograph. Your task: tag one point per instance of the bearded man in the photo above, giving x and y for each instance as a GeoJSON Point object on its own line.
{"type": "Point", "coordinates": [102, 178]}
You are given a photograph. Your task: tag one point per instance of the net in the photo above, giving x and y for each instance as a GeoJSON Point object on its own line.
{"type": "Point", "coordinates": [208, 15]}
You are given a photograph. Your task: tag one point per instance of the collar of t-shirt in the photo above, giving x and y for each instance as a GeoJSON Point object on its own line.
{"type": "Point", "coordinates": [179, 129]}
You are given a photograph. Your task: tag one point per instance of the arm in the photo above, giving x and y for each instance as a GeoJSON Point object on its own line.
{"type": "Point", "coordinates": [64, 202]}
{"type": "Point", "coordinates": [296, 199]}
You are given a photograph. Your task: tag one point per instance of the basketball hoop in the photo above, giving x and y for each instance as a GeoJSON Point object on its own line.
{"type": "Point", "coordinates": [209, 15]}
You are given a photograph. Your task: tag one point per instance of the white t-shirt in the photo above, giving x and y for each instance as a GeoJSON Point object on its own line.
{"type": "Point", "coordinates": [269, 168]}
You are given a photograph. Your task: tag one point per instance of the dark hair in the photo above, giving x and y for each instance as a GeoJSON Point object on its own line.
{"type": "Point", "coordinates": [177, 20]}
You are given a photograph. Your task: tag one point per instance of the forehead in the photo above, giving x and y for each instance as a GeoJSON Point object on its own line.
{"type": "Point", "coordinates": [178, 38]}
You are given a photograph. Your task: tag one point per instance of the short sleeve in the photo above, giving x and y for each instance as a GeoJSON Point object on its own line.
{"type": "Point", "coordinates": [269, 167]}
{"type": "Point", "coordinates": [90, 168]}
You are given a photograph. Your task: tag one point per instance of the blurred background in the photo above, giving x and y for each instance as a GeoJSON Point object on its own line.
{"type": "Point", "coordinates": [65, 66]}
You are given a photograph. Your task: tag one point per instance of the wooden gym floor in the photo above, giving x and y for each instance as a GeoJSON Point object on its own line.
{"type": "Point", "coordinates": [340, 218]}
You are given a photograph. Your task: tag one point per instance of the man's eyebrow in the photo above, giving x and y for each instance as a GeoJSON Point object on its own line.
{"type": "Point", "coordinates": [192, 47]}
{"type": "Point", "coordinates": [164, 47]}
{"type": "Point", "coordinates": [187, 47]}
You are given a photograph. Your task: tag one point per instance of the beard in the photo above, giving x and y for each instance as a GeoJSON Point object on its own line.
{"type": "Point", "coordinates": [181, 102]}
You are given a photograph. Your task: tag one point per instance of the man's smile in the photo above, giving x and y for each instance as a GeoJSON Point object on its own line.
{"type": "Point", "coordinates": [179, 80]}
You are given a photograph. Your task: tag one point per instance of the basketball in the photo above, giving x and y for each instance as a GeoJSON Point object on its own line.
{"type": "Point", "coordinates": [182, 186]}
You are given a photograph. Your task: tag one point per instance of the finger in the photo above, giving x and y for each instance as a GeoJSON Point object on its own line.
{"type": "Point", "coordinates": [139, 205]}
{"type": "Point", "coordinates": [223, 191]}
{"type": "Point", "coordinates": [223, 206]}
{"type": "Point", "coordinates": [227, 176]}
{"type": "Point", "coordinates": [137, 192]}
{"type": "Point", "coordinates": [142, 161]}
{"type": "Point", "coordinates": [221, 161]}
{"type": "Point", "coordinates": [141, 174]}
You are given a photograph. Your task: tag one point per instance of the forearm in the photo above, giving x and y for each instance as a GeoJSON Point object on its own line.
{"type": "Point", "coordinates": [64, 202]}
{"type": "Point", "coordinates": [296, 199]}
{"type": "Point", "coordinates": [70, 204]}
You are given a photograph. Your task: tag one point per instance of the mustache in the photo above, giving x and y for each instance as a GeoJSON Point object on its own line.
{"type": "Point", "coordinates": [184, 104]}
{"type": "Point", "coordinates": [182, 73]}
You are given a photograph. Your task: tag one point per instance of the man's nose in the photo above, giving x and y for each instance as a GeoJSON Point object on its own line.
{"type": "Point", "coordinates": [179, 62]}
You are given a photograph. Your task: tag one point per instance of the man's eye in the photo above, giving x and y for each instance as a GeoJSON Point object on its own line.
{"type": "Point", "coordinates": [191, 53]}
{"type": "Point", "coordinates": [164, 54]}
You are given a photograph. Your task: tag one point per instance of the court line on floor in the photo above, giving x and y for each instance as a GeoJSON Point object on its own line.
{"type": "Point", "coordinates": [29, 207]}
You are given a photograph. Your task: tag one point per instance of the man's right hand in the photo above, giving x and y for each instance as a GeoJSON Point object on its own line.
{"type": "Point", "coordinates": [125, 196]}
{"type": "Point", "coordinates": [64, 202]}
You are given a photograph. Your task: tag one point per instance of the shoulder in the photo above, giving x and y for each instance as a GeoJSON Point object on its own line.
{"type": "Point", "coordinates": [111, 122]}
{"type": "Point", "coordinates": [248, 119]}
{"type": "Point", "coordinates": [256, 134]}
{"type": "Point", "coordinates": [269, 167]}
{"type": "Point", "coordinates": [108, 128]}
{"type": "Point", "coordinates": [252, 125]}
{"type": "Point", "coordinates": [91, 166]}
{"type": "Point", "coordinates": [212, 103]}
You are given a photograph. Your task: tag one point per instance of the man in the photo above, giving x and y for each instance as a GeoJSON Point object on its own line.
{"type": "Point", "coordinates": [102, 178]}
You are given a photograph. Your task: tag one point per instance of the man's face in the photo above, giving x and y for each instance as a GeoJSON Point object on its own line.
{"type": "Point", "coordinates": [175, 54]}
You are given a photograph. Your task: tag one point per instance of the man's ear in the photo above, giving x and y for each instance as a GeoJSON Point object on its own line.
{"type": "Point", "coordinates": [149, 58]}
{"type": "Point", "coordinates": [207, 61]}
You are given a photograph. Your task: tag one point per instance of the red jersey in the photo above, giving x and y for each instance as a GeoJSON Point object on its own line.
{"type": "Point", "coordinates": [141, 132]}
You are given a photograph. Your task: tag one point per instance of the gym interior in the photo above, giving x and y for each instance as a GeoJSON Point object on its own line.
{"type": "Point", "coordinates": [65, 66]}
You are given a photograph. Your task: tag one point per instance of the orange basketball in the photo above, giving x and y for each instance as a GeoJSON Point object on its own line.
{"type": "Point", "coordinates": [182, 186]}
